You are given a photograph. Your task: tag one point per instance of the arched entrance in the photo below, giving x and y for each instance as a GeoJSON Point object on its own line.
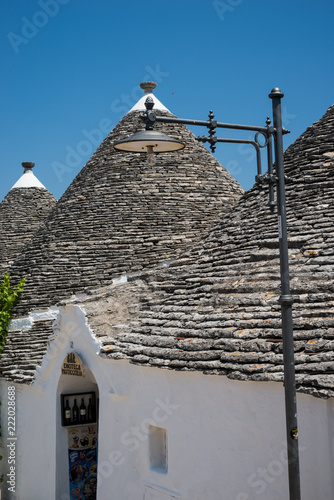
{"type": "Point", "coordinates": [76, 431]}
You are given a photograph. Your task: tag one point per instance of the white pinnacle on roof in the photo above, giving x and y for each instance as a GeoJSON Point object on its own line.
{"type": "Point", "coordinates": [148, 88]}
{"type": "Point", "coordinates": [28, 179]}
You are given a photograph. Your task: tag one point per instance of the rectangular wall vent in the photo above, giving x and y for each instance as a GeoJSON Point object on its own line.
{"type": "Point", "coordinates": [158, 449]}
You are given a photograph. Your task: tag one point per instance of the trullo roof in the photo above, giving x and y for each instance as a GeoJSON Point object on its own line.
{"type": "Point", "coordinates": [22, 212]}
{"type": "Point", "coordinates": [216, 309]}
{"type": "Point", "coordinates": [121, 215]}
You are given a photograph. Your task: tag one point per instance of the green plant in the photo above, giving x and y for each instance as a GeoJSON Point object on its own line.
{"type": "Point", "coordinates": [9, 297]}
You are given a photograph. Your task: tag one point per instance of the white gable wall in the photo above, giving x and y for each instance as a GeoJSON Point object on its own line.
{"type": "Point", "coordinates": [40, 436]}
{"type": "Point", "coordinates": [225, 438]}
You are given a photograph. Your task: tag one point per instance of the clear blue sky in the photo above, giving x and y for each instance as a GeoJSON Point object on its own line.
{"type": "Point", "coordinates": [70, 66]}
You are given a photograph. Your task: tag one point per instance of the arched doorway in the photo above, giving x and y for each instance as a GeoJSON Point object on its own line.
{"type": "Point", "coordinates": [76, 431]}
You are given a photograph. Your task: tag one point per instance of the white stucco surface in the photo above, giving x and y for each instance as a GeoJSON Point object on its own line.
{"type": "Point", "coordinates": [140, 105]}
{"type": "Point", "coordinates": [27, 180]}
{"type": "Point", "coordinates": [26, 322]}
{"type": "Point", "coordinates": [225, 438]}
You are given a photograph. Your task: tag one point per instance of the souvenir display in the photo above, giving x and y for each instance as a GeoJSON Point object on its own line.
{"type": "Point", "coordinates": [82, 454]}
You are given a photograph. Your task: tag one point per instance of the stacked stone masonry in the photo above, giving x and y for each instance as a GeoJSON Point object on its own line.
{"type": "Point", "coordinates": [25, 350]}
{"type": "Point", "coordinates": [22, 212]}
{"type": "Point", "coordinates": [215, 307]}
{"type": "Point", "coordinates": [122, 215]}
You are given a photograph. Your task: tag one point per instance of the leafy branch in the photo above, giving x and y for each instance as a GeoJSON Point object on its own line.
{"type": "Point", "coordinates": [9, 297]}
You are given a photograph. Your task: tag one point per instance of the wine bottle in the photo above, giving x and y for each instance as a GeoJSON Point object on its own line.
{"type": "Point", "coordinates": [82, 412]}
{"type": "Point", "coordinates": [67, 413]}
{"type": "Point", "coordinates": [75, 413]}
{"type": "Point", "coordinates": [90, 411]}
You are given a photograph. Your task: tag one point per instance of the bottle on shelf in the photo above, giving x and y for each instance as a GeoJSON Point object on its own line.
{"type": "Point", "coordinates": [75, 413]}
{"type": "Point", "coordinates": [67, 413]}
{"type": "Point", "coordinates": [91, 411]}
{"type": "Point", "coordinates": [82, 412]}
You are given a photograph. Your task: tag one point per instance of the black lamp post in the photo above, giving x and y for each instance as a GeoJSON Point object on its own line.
{"type": "Point", "coordinates": [151, 141]}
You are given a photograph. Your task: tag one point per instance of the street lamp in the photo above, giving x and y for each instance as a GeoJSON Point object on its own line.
{"type": "Point", "coordinates": [151, 141]}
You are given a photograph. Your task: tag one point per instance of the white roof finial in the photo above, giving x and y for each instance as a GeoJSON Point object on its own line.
{"type": "Point", "coordinates": [28, 165]}
{"type": "Point", "coordinates": [148, 87]}
{"type": "Point", "coordinates": [140, 105]}
{"type": "Point", "coordinates": [28, 179]}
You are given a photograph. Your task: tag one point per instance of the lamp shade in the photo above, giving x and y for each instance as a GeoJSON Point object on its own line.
{"type": "Point", "coordinates": [141, 141]}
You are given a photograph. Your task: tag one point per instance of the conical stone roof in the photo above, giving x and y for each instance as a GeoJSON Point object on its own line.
{"type": "Point", "coordinates": [121, 215]}
{"type": "Point", "coordinates": [22, 212]}
{"type": "Point", "coordinates": [216, 309]}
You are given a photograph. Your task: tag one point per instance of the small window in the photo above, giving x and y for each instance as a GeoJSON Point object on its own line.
{"type": "Point", "coordinates": [158, 449]}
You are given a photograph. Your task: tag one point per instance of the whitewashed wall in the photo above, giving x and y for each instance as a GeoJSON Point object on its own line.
{"type": "Point", "coordinates": [226, 439]}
